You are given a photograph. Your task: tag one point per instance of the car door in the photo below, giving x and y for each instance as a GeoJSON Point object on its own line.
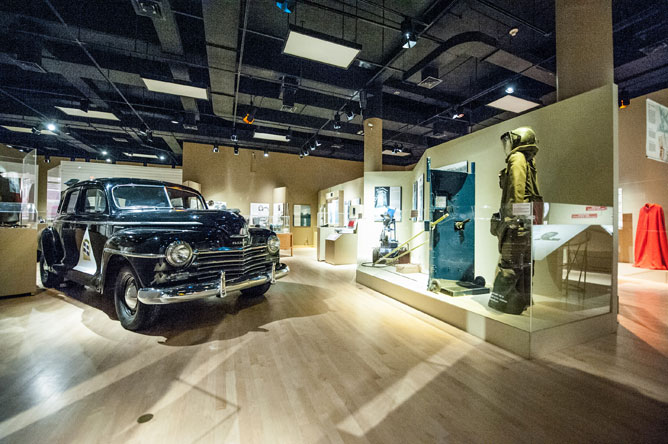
{"type": "Point", "coordinates": [91, 228]}
{"type": "Point", "coordinates": [67, 227]}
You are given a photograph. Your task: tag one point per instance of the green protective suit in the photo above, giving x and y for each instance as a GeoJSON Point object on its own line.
{"type": "Point", "coordinates": [512, 283]}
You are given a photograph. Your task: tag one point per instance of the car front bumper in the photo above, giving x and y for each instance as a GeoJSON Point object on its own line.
{"type": "Point", "coordinates": [219, 287]}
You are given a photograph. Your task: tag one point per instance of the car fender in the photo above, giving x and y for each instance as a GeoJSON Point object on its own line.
{"type": "Point", "coordinates": [50, 246]}
{"type": "Point", "coordinates": [144, 249]}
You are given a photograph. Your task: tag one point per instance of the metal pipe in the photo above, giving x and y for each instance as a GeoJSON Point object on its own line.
{"type": "Point", "coordinates": [241, 59]}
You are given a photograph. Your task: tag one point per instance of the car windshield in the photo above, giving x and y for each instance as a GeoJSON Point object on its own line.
{"type": "Point", "coordinates": [155, 196]}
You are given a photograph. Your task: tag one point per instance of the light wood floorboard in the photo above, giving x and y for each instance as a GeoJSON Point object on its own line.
{"type": "Point", "coordinates": [321, 359]}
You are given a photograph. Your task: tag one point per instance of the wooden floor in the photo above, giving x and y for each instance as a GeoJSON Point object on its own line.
{"type": "Point", "coordinates": [320, 359]}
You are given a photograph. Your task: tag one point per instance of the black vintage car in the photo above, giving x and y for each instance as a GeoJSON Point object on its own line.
{"type": "Point", "coordinates": [148, 242]}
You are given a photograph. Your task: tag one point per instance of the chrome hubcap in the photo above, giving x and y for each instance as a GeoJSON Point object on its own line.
{"type": "Point", "coordinates": [131, 294]}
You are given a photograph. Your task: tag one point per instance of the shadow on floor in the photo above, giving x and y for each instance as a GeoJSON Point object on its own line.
{"type": "Point", "coordinates": [205, 320]}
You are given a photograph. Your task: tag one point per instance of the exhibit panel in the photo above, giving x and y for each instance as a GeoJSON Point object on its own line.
{"type": "Point", "coordinates": [18, 221]}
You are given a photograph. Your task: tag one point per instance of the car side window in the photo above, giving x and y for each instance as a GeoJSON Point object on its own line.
{"type": "Point", "coordinates": [72, 202]}
{"type": "Point", "coordinates": [95, 201]}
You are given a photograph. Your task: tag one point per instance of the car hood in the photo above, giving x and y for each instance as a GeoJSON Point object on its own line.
{"type": "Point", "coordinates": [228, 221]}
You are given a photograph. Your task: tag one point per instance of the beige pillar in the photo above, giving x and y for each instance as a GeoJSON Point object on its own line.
{"type": "Point", "coordinates": [373, 144]}
{"type": "Point", "coordinates": [584, 46]}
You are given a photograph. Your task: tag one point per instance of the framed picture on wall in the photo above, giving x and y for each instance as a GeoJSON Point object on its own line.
{"type": "Point", "coordinates": [420, 198]}
{"type": "Point", "coordinates": [301, 215]}
{"type": "Point", "coordinates": [384, 198]}
{"type": "Point", "coordinates": [414, 206]}
{"type": "Point", "coordinates": [259, 213]}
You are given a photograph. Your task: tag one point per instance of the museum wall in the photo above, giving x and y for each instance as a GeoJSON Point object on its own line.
{"type": "Point", "coordinates": [576, 163]}
{"type": "Point", "coordinates": [642, 180]}
{"type": "Point", "coordinates": [43, 169]}
{"type": "Point", "coordinates": [229, 178]}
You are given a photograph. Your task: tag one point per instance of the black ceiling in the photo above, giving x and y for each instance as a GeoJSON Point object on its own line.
{"type": "Point", "coordinates": [60, 52]}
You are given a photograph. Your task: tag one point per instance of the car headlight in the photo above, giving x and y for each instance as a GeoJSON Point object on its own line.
{"type": "Point", "coordinates": [178, 253]}
{"type": "Point", "coordinates": [273, 244]}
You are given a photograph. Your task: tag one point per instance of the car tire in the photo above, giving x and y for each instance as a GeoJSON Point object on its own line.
{"type": "Point", "coordinates": [49, 279]}
{"type": "Point", "coordinates": [133, 314]}
{"type": "Point", "coordinates": [255, 292]}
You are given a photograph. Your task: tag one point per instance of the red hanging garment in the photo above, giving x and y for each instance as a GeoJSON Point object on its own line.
{"type": "Point", "coordinates": [651, 249]}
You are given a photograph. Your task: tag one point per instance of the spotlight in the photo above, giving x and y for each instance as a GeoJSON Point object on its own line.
{"type": "Point", "coordinates": [408, 35]}
{"type": "Point", "coordinates": [108, 160]}
{"type": "Point", "coordinates": [174, 121]}
{"type": "Point", "coordinates": [162, 157]}
{"type": "Point", "coordinates": [312, 146]}
{"type": "Point", "coordinates": [350, 112]}
{"type": "Point", "coordinates": [51, 126]}
{"type": "Point", "coordinates": [457, 114]}
{"type": "Point", "coordinates": [301, 155]}
{"type": "Point", "coordinates": [624, 99]}
{"type": "Point", "coordinates": [12, 146]}
{"type": "Point", "coordinates": [36, 131]}
{"type": "Point", "coordinates": [306, 152]}
{"type": "Point", "coordinates": [510, 90]}
{"type": "Point", "coordinates": [266, 152]}
{"type": "Point", "coordinates": [236, 150]}
{"type": "Point", "coordinates": [67, 130]}
{"type": "Point", "coordinates": [337, 121]}
{"type": "Point", "coordinates": [215, 148]}
{"type": "Point", "coordinates": [104, 152]}
{"type": "Point", "coordinates": [317, 142]}
{"type": "Point", "coordinates": [286, 6]}
{"type": "Point", "coordinates": [513, 31]}
{"type": "Point", "coordinates": [249, 118]}
{"type": "Point", "coordinates": [47, 159]}
{"type": "Point", "coordinates": [234, 137]}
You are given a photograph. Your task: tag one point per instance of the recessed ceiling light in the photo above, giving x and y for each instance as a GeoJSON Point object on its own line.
{"type": "Point", "coordinates": [22, 129]}
{"type": "Point", "coordinates": [510, 90]}
{"type": "Point", "coordinates": [271, 136]}
{"type": "Point", "coordinates": [90, 114]}
{"type": "Point", "coordinates": [396, 153]}
{"type": "Point", "coordinates": [104, 153]}
{"type": "Point", "coordinates": [513, 31]}
{"type": "Point", "coordinates": [513, 104]}
{"type": "Point", "coordinates": [320, 47]}
{"type": "Point", "coordinates": [108, 160]}
{"type": "Point", "coordinates": [146, 156]}
{"type": "Point", "coordinates": [162, 157]}
{"type": "Point", "coordinates": [51, 126]}
{"type": "Point", "coordinates": [175, 89]}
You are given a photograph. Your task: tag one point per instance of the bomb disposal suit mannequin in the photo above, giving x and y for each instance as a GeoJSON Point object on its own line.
{"type": "Point", "coordinates": [512, 284]}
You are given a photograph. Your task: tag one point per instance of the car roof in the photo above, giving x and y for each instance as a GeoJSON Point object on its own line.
{"type": "Point", "coordinates": [113, 181]}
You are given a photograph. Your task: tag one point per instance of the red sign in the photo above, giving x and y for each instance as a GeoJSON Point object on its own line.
{"type": "Point", "coordinates": [596, 208]}
{"type": "Point", "coordinates": [584, 216]}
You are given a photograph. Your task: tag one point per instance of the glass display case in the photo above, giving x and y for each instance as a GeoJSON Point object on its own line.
{"type": "Point", "coordinates": [18, 221]}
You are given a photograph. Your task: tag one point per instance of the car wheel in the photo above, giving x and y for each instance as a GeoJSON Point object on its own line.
{"type": "Point", "coordinates": [49, 279]}
{"type": "Point", "coordinates": [133, 314]}
{"type": "Point", "coordinates": [255, 292]}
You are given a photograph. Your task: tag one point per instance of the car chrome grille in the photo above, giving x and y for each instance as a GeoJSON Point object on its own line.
{"type": "Point", "coordinates": [238, 263]}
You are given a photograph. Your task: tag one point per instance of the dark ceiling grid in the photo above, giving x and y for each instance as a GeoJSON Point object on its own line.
{"type": "Point", "coordinates": [200, 43]}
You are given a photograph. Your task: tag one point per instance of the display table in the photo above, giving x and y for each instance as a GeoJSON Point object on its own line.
{"type": "Point", "coordinates": [322, 234]}
{"type": "Point", "coordinates": [286, 241]}
{"type": "Point", "coordinates": [18, 261]}
{"type": "Point", "coordinates": [341, 248]}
